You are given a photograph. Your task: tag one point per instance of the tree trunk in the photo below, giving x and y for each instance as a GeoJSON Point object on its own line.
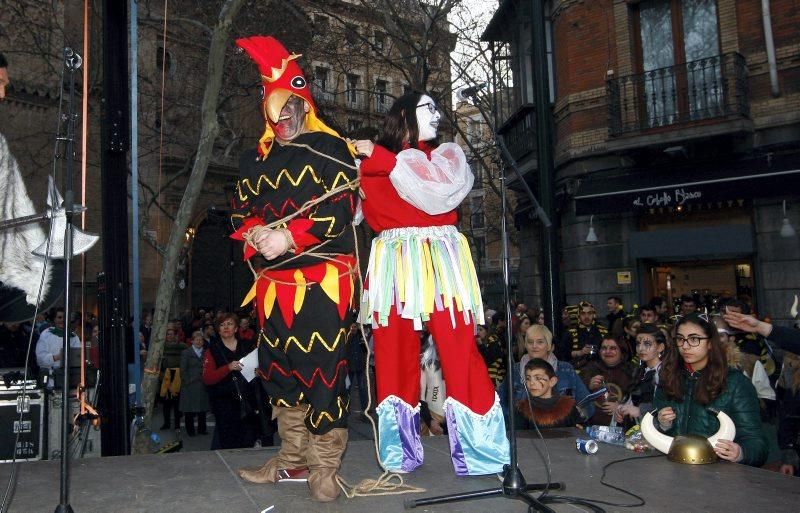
{"type": "Point", "coordinates": [166, 285]}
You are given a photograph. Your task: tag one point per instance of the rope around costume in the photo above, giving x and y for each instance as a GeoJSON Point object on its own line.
{"type": "Point", "coordinates": [383, 485]}
{"type": "Point", "coordinates": [250, 235]}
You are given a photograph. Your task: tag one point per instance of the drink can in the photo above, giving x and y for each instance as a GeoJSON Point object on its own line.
{"type": "Point", "coordinates": [586, 446]}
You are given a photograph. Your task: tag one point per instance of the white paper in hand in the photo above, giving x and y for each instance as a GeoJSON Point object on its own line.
{"type": "Point", "coordinates": [249, 365]}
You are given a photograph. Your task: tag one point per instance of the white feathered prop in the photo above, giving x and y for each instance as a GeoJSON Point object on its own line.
{"type": "Point", "coordinates": [19, 268]}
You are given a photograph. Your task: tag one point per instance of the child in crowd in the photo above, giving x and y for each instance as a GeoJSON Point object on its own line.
{"type": "Point", "coordinates": [544, 405]}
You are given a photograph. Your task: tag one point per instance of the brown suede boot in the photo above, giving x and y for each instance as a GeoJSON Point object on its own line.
{"type": "Point", "coordinates": [324, 458]}
{"type": "Point", "coordinates": [294, 443]}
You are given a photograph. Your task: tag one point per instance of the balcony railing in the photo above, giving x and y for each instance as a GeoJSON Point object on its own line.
{"type": "Point", "coordinates": [322, 95]}
{"type": "Point", "coordinates": [519, 132]}
{"type": "Point", "coordinates": [354, 99]}
{"type": "Point", "coordinates": [715, 87]}
{"type": "Point", "coordinates": [382, 103]}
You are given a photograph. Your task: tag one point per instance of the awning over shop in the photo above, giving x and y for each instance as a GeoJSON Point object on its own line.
{"type": "Point", "coordinates": [641, 189]}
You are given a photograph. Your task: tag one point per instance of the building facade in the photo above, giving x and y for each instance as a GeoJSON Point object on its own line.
{"type": "Point", "coordinates": [676, 141]}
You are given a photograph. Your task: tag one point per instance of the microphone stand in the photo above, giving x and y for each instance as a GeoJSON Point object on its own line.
{"type": "Point", "coordinates": [514, 485]}
{"type": "Point", "coordinates": [72, 62]}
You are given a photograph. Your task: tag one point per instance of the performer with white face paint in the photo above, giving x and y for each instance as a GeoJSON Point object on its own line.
{"type": "Point", "coordinates": [420, 269]}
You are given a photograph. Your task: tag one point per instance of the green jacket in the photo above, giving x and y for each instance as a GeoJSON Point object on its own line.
{"type": "Point", "coordinates": [738, 400]}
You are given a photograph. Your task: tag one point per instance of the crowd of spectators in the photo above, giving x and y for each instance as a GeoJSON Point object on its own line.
{"type": "Point", "coordinates": [669, 359]}
{"type": "Point", "coordinates": [673, 359]}
{"type": "Point", "coordinates": [194, 377]}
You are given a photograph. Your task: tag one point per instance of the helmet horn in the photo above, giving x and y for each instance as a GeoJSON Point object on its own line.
{"type": "Point", "coordinates": [726, 431]}
{"type": "Point", "coordinates": [653, 436]}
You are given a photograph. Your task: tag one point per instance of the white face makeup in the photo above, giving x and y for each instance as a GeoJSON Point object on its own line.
{"type": "Point", "coordinates": [427, 118]}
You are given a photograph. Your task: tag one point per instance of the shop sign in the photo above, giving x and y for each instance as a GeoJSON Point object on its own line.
{"type": "Point", "coordinates": [694, 183]}
{"type": "Point", "coordinates": [623, 278]}
{"type": "Point", "coordinates": [668, 198]}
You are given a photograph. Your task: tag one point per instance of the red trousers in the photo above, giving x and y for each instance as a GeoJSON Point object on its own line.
{"type": "Point", "coordinates": [397, 361]}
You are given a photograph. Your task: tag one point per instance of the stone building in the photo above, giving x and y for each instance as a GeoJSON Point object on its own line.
{"type": "Point", "coordinates": [677, 140]}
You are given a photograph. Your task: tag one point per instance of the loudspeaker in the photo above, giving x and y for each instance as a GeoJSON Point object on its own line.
{"type": "Point", "coordinates": [30, 427]}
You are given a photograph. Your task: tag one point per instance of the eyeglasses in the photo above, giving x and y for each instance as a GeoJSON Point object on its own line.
{"type": "Point", "coordinates": [693, 340]}
{"type": "Point", "coordinates": [430, 105]}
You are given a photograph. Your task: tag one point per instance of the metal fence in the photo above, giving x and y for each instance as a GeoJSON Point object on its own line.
{"type": "Point", "coordinates": [322, 95]}
{"type": "Point", "coordinates": [714, 87]}
{"type": "Point", "coordinates": [354, 99]}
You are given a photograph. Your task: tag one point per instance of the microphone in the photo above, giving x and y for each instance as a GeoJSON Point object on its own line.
{"type": "Point", "coordinates": [466, 93]}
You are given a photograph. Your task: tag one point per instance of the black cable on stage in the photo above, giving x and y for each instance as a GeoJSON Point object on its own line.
{"type": "Point", "coordinates": [592, 504]}
{"type": "Point", "coordinates": [564, 499]}
{"type": "Point", "coordinates": [608, 465]}
{"type": "Point", "coordinates": [545, 460]}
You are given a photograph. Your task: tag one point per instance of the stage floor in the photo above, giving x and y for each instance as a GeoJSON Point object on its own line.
{"type": "Point", "coordinates": [206, 482]}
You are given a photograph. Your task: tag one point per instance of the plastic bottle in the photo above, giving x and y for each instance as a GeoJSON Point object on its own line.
{"type": "Point", "coordinates": [607, 434]}
{"type": "Point", "coordinates": [139, 428]}
{"type": "Point", "coordinates": [155, 442]}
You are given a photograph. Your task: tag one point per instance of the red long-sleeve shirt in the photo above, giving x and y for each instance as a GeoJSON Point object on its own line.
{"type": "Point", "coordinates": [383, 208]}
{"type": "Point", "coordinates": [211, 373]}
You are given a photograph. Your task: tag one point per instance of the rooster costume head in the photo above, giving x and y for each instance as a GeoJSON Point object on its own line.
{"type": "Point", "coordinates": [281, 79]}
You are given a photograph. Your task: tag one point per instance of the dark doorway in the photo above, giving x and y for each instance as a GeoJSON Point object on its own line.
{"type": "Point", "coordinates": [218, 275]}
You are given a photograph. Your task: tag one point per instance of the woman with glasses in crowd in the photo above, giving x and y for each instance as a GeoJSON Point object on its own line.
{"type": "Point", "coordinates": [651, 343]}
{"type": "Point", "coordinates": [696, 377]}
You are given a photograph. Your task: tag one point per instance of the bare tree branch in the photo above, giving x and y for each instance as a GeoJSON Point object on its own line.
{"type": "Point", "coordinates": [209, 131]}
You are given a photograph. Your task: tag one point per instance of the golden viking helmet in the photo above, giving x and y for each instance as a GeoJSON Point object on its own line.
{"type": "Point", "coordinates": [690, 449]}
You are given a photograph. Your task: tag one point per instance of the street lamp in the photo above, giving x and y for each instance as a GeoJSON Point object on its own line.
{"type": "Point", "coordinates": [787, 230]}
{"type": "Point", "coordinates": [591, 237]}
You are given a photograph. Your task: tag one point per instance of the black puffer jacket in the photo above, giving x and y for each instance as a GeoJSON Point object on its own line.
{"type": "Point", "coordinates": [738, 400]}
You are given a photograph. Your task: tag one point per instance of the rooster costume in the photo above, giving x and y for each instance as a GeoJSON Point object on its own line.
{"type": "Point", "coordinates": [420, 270]}
{"type": "Point", "coordinates": [303, 295]}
